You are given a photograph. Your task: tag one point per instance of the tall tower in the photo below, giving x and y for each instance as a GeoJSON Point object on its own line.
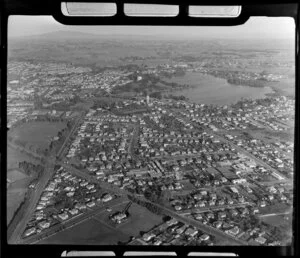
{"type": "Point", "coordinates": [148, 99]}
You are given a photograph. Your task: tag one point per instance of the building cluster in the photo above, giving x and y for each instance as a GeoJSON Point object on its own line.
{"type": "Point", "coordinates": [105, 81]}
{"type": "Point", "coordinates": [273, 154]}
{"type": "Point", "coordinates": [195, 159]}
{"type": "Point", "coordinates": [174, 232]}
{"type": "Point", "coordinates": [170, 155]}
{"type": "Point", "coordinates": [65, 197]}
{"type": "Point", "coordinates": [42, 82]}
{"type": "Point", "coordinates": [30, 82]}
{"type": "Point", "coordinates": [17, 113]}
{"type": "Point", "coordinates": [274, 114]}
{"type": "Point", "coordinates": [236, 76]}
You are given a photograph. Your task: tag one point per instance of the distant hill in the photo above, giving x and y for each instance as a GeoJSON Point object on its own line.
{"type": "Point", "coordinates": [70, 34]}
{"type": "Point", "coordinates": [67, 34]}
{"type": "Point", "coordinates": [62, 34]}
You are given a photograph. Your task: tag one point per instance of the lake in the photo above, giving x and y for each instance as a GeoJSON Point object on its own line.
{"type": "Point", "coordinates": [212, 90]}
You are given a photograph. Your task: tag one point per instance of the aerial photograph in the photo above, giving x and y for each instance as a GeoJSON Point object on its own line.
{"type": "Point", "coordinates": [141, 135]}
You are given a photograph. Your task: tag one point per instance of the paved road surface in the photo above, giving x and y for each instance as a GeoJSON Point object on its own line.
{"type": "Point", "coordinates": [214, 208]}
{"type": "Point", "coordinates": [134, 140]}
{"type": "Point", "coordinates": [241, 150]}
{"type": "Point", "coordinates": [184, 156]}
{"type": "Point", "coordinates": [18, 231]}
{"type": "Point", "coordinates": [166, 211]}
{"type": "Point", "coordinates": [71, 222]}
{"type": "Point", "coordinates": [79, 119]}
{"type": "Point", "coordinates": [275, 214]}
{"type": "Point", "coordinates": [40, 187]}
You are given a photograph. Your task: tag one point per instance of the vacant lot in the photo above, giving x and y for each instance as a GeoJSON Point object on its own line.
{"type": "Point", "coordinates": [37, 134]}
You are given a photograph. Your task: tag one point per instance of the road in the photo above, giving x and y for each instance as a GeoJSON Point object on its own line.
{"type": "Point", "coordinates": [184, 156]}
{"type": "Point", "coordinates": [61, 151]}
{"type": "Point", "coordinates": [32, 202]}
{"type": "Point", "coordinates": [214, 208]}
{"type": "Point", "coordinates": [210, 230]}
{"type": "Point", "coordinates": [39, 156]}
{"type": "Point", "coordinates": [248, 154]}
{"type": "Point", "coordinates": [241, 150]}
{"type": "Point", "coordinates": [71, 222]}
{"type": "Point", "coordinates": [275, 214]}
{"type": "Point", "coordinates": [134, 140]}
{"type": "Point", "coordinates": [166, 211]}
{"type": "Point", "coordinates": [92, 179]}
{"type": "Point", "coordinates": [199, 225]}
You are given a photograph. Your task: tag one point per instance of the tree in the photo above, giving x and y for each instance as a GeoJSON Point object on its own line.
{"type": "Point", "coordinates": [164, 196]}
{"type": "Point", "coordinates": [148, 194]}
{"type": "Point", "coordinates": [156, 95]}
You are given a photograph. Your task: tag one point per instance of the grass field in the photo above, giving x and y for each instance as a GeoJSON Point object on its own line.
{"type": "Point", "coordinates": [15, 194]}
{"type": "Point", "coordinates": [271, 136]}
{"type": "Point", "coordinates": [91, 232]}
{"type": "Point", "coordinates": [224, 242]}
{"type": "Point", "coordinates": [37, 133]}
{"type": "Point", "coordinates": [278, 220]}
{"type": "Point", "coordinates": [95, 232]}
{"type": "Point", "coordinates": [18, 181]}
{"type": "Point", "coordinates": [284, 223]}
{"type": "Point", "coordinates": [277, 208]}
{"type": "Point", "coordinates": [15, 175]}
{"type": "Point", "coordinates": [14, 157]}
{"type": "Point", "coordinates": [140, 220]}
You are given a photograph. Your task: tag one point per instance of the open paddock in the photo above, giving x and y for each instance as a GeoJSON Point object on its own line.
{"type": "Point", "coordinates": [38, 134]}
{"type": "Point", "coordinates": [15, 156]}
{"type": "Point", "coordinates": [90, 232]}
{"type": "Point", "coordinates": [140, 219]}
{"type": "Point", "coordinates": [15, 195]}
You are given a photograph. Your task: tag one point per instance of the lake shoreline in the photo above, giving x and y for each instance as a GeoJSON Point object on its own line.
{"type": "Point", "coordinates": [200, 85]}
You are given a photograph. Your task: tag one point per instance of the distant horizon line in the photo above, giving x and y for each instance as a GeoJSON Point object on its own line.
{"type": "Point", "coordinates": [178, 37]}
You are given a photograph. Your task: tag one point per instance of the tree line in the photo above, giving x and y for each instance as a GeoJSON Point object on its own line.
{"type": "Point", "coordinates": [30, 168]}
{"type": "Point", "coordinates": [149, 206]}
{"type": "Point", "coordinates": [62, 134]}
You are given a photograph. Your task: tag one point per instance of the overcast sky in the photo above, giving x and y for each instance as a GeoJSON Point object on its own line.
{"type": "Point", "coordinates": [256, 27]}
